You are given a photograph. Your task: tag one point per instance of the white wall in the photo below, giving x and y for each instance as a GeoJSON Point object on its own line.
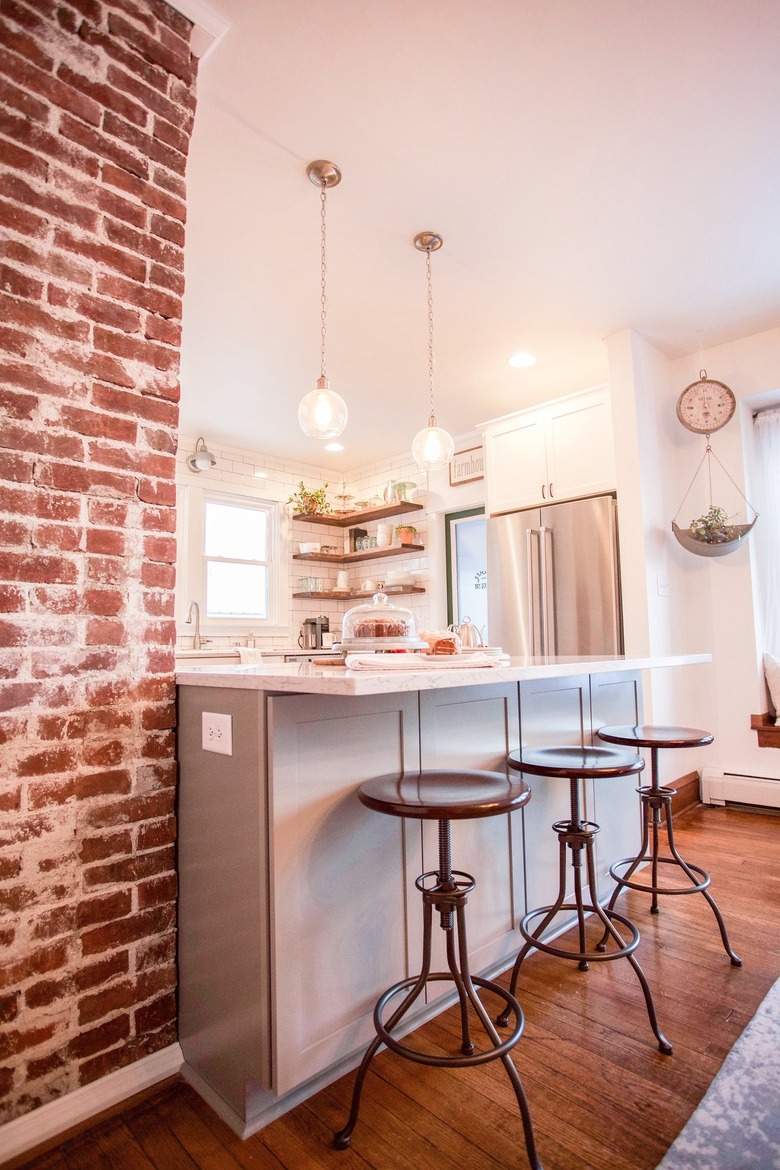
{"type": "Point", "coordinates": [710, 605]}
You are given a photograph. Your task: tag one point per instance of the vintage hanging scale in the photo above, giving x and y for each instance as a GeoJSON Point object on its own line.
{"type": "Point", "coordinates": [703, 407]}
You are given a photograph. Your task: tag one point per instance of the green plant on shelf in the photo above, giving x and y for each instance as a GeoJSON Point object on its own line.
{"type": "Point", "coordinates": [713, 526]}
{"type": "Point", "coordinates": [405, 533]}
{"type": "Point", "coordinates": [309, 502]}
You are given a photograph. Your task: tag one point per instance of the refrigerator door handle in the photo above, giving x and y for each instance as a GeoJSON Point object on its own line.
{"type": "Point", "coordinates": [547, 591]}
{"type": "Point", "coordinates": [534, 600]}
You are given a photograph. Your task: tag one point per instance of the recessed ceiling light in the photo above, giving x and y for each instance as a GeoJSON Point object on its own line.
{"type": "Point", "coordinates": [522, 360]}
{"type": "Point", "coordinates": [334, 446]}
{"type": "Point", "coordinates": [260, 474]}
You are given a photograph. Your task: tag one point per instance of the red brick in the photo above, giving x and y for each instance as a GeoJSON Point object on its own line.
{"type": "Point", "coordinates": [13, 599]}
{"type": "Point", "coordinates": [19, 284]}
{"type": "Point", "coordinates": [96, 1039]}
{"type": "Point", "coordinates": [25, 567]}
{"type": "Point", "coordinates": [107, 541]}
{"type": "Point", "coordinates": [157, 891]}
{"type": "Point", "coordinates": [172, 60]}
{"type": "Point", "coordinates": [155, 1014]}
{"type": "Point", "coordinates": [118, 997]}
{"type": "Point", "coordinates": [38, 962]}
{"type": "Point", "coordinates": [55, 922]}
{"type": "Point", "coordinates": [107, 845]}
{"type": "Point", "coordinates": [130, 869]}
{"type": "Point", "coordinates": [108, 513]}
{"type": "Point", "coordinates": [50, 204]}
{"type": "Point", "coordinates": [144, 924]}
{"type": "Point", "coordinates": [9, 1007]}
{"type": "Point", "coordinates": [105, 908]}
{"type": "Point", "coordinates": [105, 602]}
{"type": "Point", "coordinates": [99, 973]}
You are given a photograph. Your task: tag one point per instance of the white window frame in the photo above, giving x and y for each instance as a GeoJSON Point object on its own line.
{"type": "Point", "coordinates": [191, 564]}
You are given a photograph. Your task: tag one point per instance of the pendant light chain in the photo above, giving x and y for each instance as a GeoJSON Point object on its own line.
{"type": "Point", "coordinates": [432, 421]}
{"type": "Point", "coordinates": [323, 279]}
{"type": "Point", "coordinates": [322, 413]}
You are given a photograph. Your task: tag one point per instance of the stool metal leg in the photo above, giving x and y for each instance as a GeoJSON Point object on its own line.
{"type": "Point", "coordinates": [657, 801]}
{"type": "Point", "coordinates": [576, 835]}
{"type": "Point", "coordinates": [449, 897]}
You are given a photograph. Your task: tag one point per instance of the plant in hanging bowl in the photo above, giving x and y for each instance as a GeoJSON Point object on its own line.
{"type": "Point", "coordinates": [309, 502]}
{"type": "Point", "coordinates": [405, 533]}
{"type": "Point", "coordinates": [712, 527]}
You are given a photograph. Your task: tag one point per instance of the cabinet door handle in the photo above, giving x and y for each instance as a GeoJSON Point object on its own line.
{"type": "Point", "coordinates": [544, 491]}
{"type": "Point", "coordinates": [552, 494]}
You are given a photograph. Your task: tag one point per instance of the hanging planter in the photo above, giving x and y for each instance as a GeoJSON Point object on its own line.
{"type": "Point", "coordinates": [711, 535]}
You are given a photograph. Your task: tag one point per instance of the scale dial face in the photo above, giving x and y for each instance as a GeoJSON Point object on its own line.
{"type": "Point", "coordinates": [706, 406]}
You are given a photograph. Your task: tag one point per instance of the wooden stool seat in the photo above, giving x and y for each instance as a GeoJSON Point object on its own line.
{"type": "Point", "coordinates": [451, 795]}
{"type": "Point", "coordinates": [656, 813]}
{"type": "Point", "coordinates": [445, 796]}
{"type": "Point", "coordinates": [576, 836]}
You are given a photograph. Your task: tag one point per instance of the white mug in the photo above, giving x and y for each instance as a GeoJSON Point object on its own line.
{"type": "Point", "coordinates": [369, 585]}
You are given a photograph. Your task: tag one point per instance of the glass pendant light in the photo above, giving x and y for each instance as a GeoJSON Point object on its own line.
{"type": "Point", "coordinates": [432, 447]}
{"type": "Point", "coordinates": [322, 412]}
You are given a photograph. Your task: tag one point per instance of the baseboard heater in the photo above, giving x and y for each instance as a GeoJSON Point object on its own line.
{"type": "Point", "coordinates": [731, 788]}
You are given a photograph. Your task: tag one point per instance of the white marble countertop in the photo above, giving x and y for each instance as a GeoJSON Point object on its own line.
{"type": "Point", "coordinates": [310, 678]}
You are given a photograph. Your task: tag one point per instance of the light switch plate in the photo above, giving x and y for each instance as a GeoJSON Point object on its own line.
{"type": "Point", "coordinates": [217, 733]}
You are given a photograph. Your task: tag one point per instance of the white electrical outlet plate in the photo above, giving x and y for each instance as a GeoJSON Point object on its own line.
{"type": "Point", "coordinates": [217, 733]}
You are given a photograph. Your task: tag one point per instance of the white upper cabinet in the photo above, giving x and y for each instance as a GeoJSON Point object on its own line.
{"type": "Point", "coordinates": [560, 451]}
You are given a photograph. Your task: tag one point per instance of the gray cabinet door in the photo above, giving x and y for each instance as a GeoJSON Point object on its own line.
{"type": "Point", "coordinates": [553, 712]}
{"type": "Point", "coordinates": [475, 727]}
{"type": "Point", "coordinates": [340, 874]}
{"type": "Point", "coordinates": [616, 699]}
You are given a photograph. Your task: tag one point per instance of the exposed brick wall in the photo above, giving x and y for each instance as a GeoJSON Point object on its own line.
{"type": "Point", "coordinates": [96, 109]}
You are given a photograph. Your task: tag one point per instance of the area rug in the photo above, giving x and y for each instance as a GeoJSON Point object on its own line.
{"type": "Point", "coordinates": [737, 1123]}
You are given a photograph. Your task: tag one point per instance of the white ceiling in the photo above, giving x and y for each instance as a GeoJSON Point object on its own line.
{"type": "Point", "coordinates": [592, 165]}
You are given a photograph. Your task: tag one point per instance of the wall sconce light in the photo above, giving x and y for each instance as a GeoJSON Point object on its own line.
{"type": "Point", "coordinates": [202, 459]}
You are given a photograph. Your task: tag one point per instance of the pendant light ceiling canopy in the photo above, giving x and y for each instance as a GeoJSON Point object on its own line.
{"type": "Point", "coordinates": [322, 413]}
{"type": "Point", "coordinates": [432, 447]}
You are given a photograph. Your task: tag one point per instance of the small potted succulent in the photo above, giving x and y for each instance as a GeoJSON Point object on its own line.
{"type": "Point", "coordinates": [405, 533]}
{"type": "Point", "coordinates": [712, 527]}
{"type": "Point", "coordinates": [309, 502]}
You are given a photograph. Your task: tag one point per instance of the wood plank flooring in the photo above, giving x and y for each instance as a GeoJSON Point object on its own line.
{"type": "Point", "coordinates": [601, 1094]}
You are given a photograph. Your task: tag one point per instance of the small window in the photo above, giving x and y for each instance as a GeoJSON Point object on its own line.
{"type": "Point", "coordinates": [236, 560]}
{"type": "Point", "coordinates": [230, 562]}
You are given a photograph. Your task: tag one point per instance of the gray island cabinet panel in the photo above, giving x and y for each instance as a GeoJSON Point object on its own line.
{"type": "Point", "coordinates": [224, 992]}
{"type": "Point", "coordinates": [339, 873]}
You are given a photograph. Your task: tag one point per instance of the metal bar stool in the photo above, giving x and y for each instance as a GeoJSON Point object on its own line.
{"type": "Point", "coordinates": [446, 796]}
{"type": "Point", "coordinates": [576, 835]}
{"type": "Point", "coordinates": [657, 801]}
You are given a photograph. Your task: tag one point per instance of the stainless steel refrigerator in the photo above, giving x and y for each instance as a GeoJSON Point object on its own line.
{"type": "Point", "coordinates": [553, 579]}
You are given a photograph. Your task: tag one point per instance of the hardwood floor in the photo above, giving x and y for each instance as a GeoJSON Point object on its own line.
{"type": "Point", "coordinates": [601, 1094]}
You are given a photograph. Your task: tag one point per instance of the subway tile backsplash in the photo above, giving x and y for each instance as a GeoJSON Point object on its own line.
{"type": "Point", "coordinates": [236, 468]}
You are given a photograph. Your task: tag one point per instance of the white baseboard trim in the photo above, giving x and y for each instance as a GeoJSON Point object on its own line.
{"type": "Point", "coordinates": [721, 787]}
{"type": "Point", "coordinates": [57, 1117]}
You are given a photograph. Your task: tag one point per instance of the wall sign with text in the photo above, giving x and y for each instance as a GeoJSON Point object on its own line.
{"type": "Point", "coordinates": [466, 466]}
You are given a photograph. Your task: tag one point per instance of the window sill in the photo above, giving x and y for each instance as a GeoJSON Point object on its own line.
{"type": "Point", "coordinates": [768, 733]}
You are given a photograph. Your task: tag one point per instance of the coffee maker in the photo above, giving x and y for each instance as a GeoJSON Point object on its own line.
{"type": "Point", "coordinates": [310, 637]}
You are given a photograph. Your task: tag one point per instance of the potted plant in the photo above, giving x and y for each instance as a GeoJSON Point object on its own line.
{"type": "Point", "coordinates": [712, 527]}
{"type": "Point", "coordinates": [309, 502]}
{"type": "Point", "coordinates": [405, 533]}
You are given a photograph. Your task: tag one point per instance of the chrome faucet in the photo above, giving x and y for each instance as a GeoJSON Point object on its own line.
{"type": "Point", "coordinates": [197, 641]}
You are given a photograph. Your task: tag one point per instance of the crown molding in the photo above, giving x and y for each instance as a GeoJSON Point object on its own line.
{"type": "Point", "coordinates": [209, 25]}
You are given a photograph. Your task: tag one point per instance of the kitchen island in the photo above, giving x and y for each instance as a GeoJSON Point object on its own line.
{"type": "Point", "coordinates": [297, 904]}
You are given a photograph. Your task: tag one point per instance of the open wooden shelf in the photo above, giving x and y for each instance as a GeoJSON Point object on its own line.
{"type": "Point", "coordinates": [393, 550]}
{"type": "Point", "coordinates": [350, 519]}
{"type": "Point", "coordinates": [361, 594]}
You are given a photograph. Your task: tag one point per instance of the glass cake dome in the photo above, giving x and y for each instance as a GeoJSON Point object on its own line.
{"type": "Point", "coordinates": [379, 625]}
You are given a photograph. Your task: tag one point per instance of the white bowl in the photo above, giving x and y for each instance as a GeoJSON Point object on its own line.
{"type": "Point", "coordinates": [309, 547]}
